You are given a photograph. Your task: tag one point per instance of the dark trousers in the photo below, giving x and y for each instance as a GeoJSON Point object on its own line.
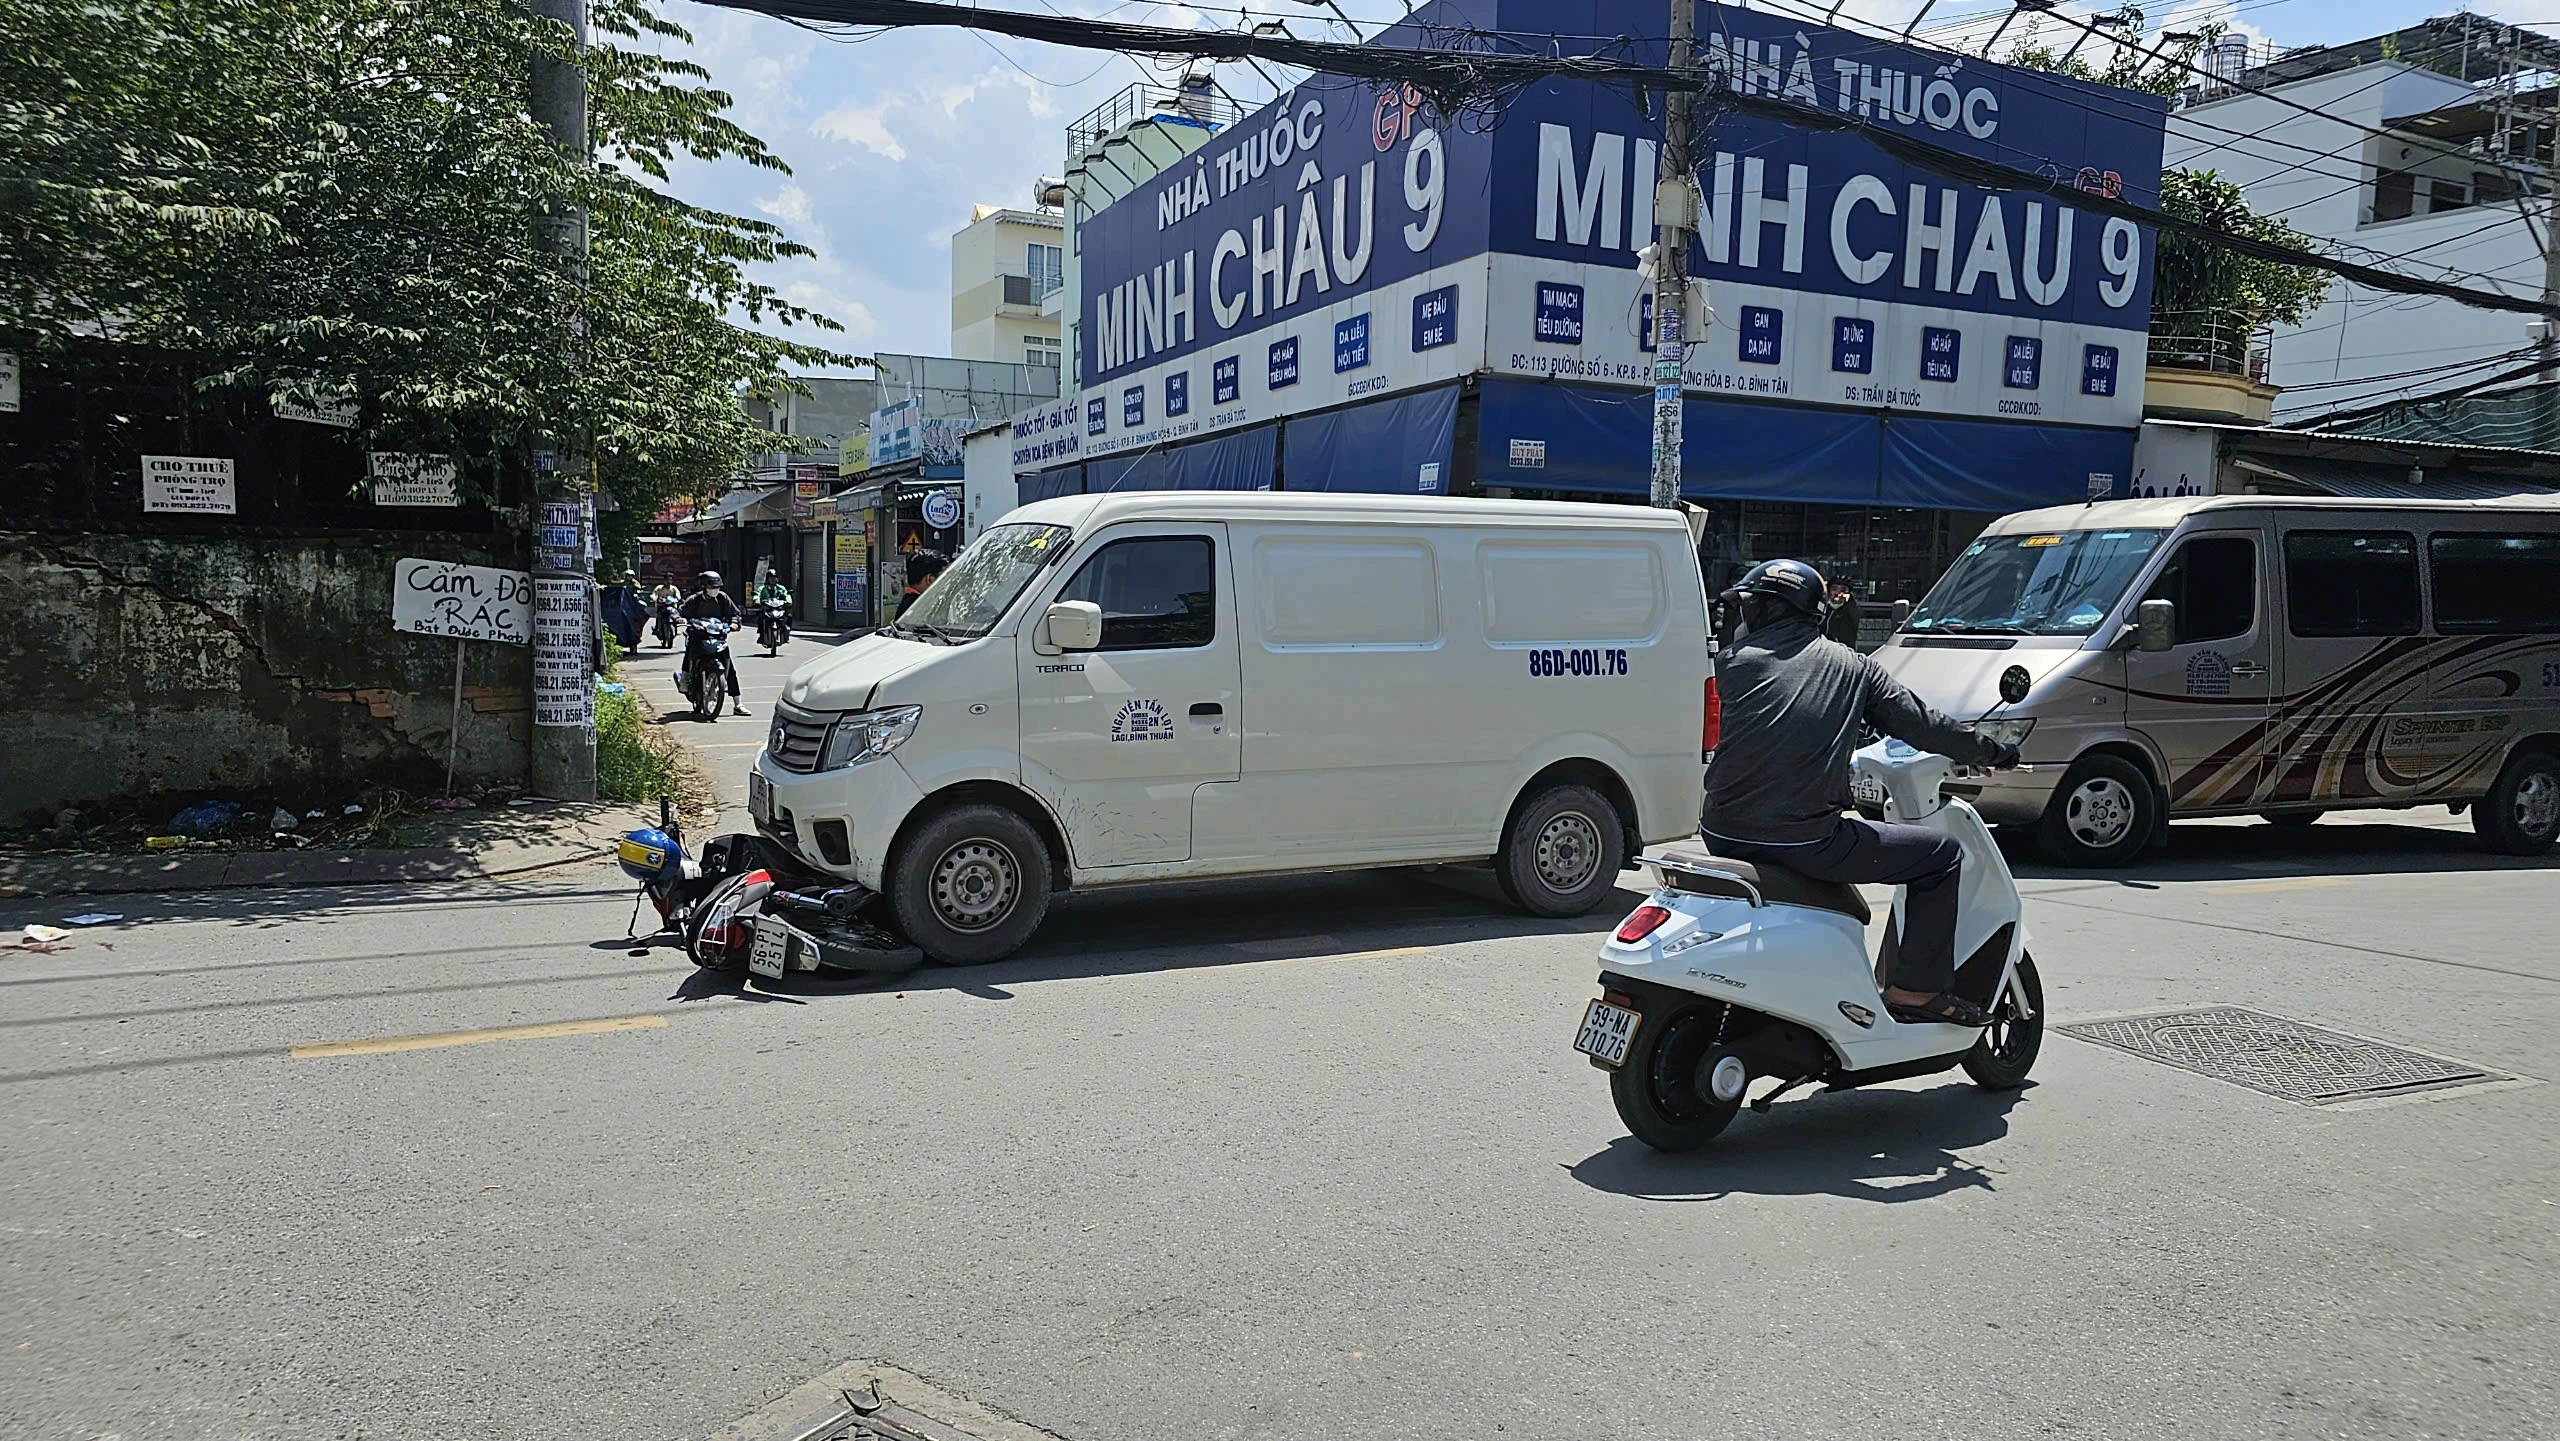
{"type": "Point", "coordinates": [1870, 853]}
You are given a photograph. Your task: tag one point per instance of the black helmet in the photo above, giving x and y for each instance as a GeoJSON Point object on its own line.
{"type": "Point", "coordinates": [710, 578]}
{"type": "Point", "coordinates": [1782, 586]}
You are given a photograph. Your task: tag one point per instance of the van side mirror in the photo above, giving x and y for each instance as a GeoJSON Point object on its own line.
{"type": "Point", "coordinates": [1074, 625]}
{"type": "Point", "coordinates": [1901, 611]}
{"type": "Point", "coordinates": [2155, 625]}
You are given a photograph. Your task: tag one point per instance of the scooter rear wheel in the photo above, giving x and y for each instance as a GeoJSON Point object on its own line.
{"type": "Point", "coordinates": [1663, 1092]}
{"type": "Point", "coordinates": [2007, 1051]}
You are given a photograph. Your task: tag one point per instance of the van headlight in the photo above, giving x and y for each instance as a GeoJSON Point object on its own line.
{"type": "Point", "coordinates": [868, 735]}
{"type": "Point", "coordinates": [2007, 732]}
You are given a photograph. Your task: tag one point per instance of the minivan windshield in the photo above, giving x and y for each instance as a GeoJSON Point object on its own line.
{"type": "Point", "coordinates": [967, 600]}
{"type": "Point", "coordinates": [2048, 583]}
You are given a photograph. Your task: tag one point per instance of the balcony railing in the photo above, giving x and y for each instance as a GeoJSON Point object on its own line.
{"type": "Point", "coordinates": [1138, 102]}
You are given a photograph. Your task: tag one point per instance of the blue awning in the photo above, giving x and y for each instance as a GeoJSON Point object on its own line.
{"type": "Point", "coordinates": [1242, 461]}
{"type": "Point", "coordinates": [1056, 481]}
{"type": "Point", "coordinates": [1386, 447]}
{"type": "Point", "coordinates": [1549, 436]}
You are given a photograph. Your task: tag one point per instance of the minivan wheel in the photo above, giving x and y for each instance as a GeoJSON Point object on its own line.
{"type": "Point", "coordinates": [2101, 815]}
{"type": "Point", "coordinates": [1562, 854]}
{"type": "Point", "coordinates": [971, 885]}
{"type": "Point", "coordinates": [2520, 816]}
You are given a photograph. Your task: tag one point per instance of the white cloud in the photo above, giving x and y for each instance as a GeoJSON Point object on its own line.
{"type": "Point", "coordinates": [852, 314]}
{"type": "Point", "coordinates": [863, 126]}
{"type": "Point", "coordinates": [790, 204]}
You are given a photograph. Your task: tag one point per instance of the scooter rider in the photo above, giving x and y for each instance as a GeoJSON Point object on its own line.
{"type": "Point", "coordinates": [1793, 701]}
{"type": "Point", "coordinates": [710, 602]}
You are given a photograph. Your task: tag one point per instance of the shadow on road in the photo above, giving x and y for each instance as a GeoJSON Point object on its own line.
{"type": "Point", "coordinates": [1883, 1145]}
{"type": "Point", "coordinates": [2252, 850]}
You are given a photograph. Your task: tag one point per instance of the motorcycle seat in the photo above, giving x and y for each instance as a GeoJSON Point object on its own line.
{"type": "Point", "coordinates": [1775, 883]}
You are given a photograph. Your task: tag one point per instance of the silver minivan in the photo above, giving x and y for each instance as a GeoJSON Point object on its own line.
{"type": "Point", "coordinates": [2255, 655]}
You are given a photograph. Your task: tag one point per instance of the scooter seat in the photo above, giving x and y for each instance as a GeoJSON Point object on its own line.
{"type": "Point", "coordinates": [1776, 884]}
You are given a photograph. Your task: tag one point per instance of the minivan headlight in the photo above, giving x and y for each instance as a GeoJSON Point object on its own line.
{"type": "Point", "coordinates": [868, 735]}
{"type": "Point", "coordinates": [2007, 732]}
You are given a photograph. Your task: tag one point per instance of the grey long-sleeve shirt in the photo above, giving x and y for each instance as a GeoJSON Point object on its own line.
{"type": "Point", "coordinates": [1792, 704]}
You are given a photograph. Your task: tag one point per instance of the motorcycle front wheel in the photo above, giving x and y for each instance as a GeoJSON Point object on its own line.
{"type": "Point", "coordinates": [2007, 1051]}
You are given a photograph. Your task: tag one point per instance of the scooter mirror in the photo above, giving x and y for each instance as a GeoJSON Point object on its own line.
{"type": "Point", "coordinates": [2014, 684]}
{"type": "Point", "coordinates": [2155, 625]}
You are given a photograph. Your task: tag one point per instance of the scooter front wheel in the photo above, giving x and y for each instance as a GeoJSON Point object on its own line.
{"type": "Point", "coordinates": [1680, 1085]}
{"type": "Point", "coordinates": [2007, 1051]}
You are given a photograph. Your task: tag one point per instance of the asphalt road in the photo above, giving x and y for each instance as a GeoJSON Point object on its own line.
{"type": "Point", "coordinates": [1301, 1158]}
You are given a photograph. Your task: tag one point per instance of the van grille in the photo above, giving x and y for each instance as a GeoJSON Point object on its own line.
{"type": "Point", "coordinates": [799, 737]}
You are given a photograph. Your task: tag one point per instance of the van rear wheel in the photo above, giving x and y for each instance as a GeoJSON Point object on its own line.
{"type": "Point", "coordinates": [2101, 815]}
{"type": "Point", "coordinates": [1562, 854]}
{"type": "Point", "coordinates": [2520, 816]}
{"type": "Point", "coordinates": [971, 885]}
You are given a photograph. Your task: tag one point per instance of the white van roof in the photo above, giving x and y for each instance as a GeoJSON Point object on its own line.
{"type": "Point", "coordinates": [1080, 511]}
{"type": "Point", "coordinates": [2167, 511]}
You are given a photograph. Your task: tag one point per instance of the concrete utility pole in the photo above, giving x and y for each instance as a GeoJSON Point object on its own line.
{"type": "Point", "coordinates": [2546, 403]}
{"type": "Point", "coordinates": [1674, 205]}
{"type": "Point", "coordinates": [562, 513]}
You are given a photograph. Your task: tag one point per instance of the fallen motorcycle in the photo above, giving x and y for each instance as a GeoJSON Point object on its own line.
{"type": "Point", "coordinates": [744, 907]}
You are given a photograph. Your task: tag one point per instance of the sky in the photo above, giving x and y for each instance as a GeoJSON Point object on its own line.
{"type": "Point", "coordinates": [891, 140]}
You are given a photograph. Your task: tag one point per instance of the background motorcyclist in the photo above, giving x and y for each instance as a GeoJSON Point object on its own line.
{"type": "Point", "coordinates": [773, 611]}
{"type": "Point", "coordinates": [710, 602]}
{"type": "Point", "coordinates": [1793, 703]}
{"type": "Point", "coordinates": [666, 598]}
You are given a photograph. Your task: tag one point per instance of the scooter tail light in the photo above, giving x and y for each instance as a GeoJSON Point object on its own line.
{"type": "Point", "coordinates": [1712, 729]}
{"type": "Point", "coordinates": [1645, 921]}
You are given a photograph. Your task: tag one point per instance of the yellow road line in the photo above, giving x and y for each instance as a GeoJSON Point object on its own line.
{"type": "Point", "coordinates": [383, 1045]}
{"type": "Point", "coordinates": [2297, 883]}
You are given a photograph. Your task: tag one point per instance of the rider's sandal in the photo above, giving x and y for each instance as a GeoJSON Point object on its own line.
{"type": "Point", "coordinates": [1944, 1008]}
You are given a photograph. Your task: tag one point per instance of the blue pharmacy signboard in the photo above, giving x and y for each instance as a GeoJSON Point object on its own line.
{"type": "Point", "coordinates": [1345, 219]}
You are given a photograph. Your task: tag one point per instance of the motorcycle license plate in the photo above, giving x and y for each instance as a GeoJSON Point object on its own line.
{"type": "Point", "coordinates": [1607, 1032]}
{"type": "Point", "coordinates": [1866, 791]}
{"type": "Point", "coordinates": [771, 955]}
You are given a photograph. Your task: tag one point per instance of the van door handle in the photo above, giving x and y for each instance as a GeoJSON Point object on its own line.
{"type": "Point", "coordinates": [2247, 670]}
{"type": "Point", "coordinates": [1207, 708]}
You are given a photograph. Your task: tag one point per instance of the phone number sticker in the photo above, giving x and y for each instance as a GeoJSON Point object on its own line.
{"type": "Point", "coordinates": [1578, 662]}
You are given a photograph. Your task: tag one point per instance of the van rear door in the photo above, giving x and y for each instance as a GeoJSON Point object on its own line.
{"type": "Point", "coordinates": [2204, 702]}
{"type": "Point", "coordinates": [1118, 739]}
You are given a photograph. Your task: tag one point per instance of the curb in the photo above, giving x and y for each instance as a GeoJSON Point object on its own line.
{"type": "Point", "coordinates": [126, 875]}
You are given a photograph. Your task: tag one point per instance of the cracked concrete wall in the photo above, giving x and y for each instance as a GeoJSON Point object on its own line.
{"type": "Point", "coordinates": [152, 668]}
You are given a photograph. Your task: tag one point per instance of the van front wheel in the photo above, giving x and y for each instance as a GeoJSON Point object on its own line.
{"type": "Point", "coordinates": [2102, 814]}
{"type": "Point", "coordinates": [971, 885]}
{"type": "Point", "coordinates": [1563, 851]}
{"type": "Point", "coordinates": [2520, 816]}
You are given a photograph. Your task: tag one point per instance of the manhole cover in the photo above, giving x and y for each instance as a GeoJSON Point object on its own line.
{"type": "Point", "coordinates": [874, 1401]}
{"type": "Point", "coordinates": [2287, 1059]}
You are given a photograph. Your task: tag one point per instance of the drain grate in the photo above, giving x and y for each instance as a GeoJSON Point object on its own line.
{"type": "Point", "coordinates": [2288, 1059]}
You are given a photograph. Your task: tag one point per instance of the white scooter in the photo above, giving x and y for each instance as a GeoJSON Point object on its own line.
{"type": "Point", "coordinates": [1734, 972]}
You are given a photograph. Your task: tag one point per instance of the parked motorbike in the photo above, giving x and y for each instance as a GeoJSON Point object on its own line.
{"type": "Point", "coordinates": [705, 677]}
{"type": "Point", "coordinates": [1735, 971]}
{"type": "Point", "coordinates": [667, 622]}
{"type": "Point", "coordinates": [773, 627]}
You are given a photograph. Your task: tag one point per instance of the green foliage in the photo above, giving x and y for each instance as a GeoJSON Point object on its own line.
{"type": "Point", "coordinates": [2149, 64]}
{"type": "Point", "coordinates": [333, 195]}
{"type": "Point", "coordinates": [2206, 301]}
{"type": "Point", "coordinates": [628, 766]}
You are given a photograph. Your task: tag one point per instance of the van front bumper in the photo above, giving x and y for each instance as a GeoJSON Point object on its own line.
{"type": "Point", "coordinates": [2015, 798]}
{"type": "Point", "coordinates": [839, 821]}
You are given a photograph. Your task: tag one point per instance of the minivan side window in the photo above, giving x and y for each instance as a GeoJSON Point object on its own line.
{"type": "Point", "coordinates": [1157, 592]}
{"type": "Point", "coordinates": [2213, 582]}
{"type": "Point", "coordinates": [2349, 582]}
{"type": "Point", "coordinates": [2486, 584]}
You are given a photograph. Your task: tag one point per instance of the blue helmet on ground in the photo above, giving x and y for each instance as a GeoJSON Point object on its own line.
{"type": "Point", "coordinates": [650, 854]}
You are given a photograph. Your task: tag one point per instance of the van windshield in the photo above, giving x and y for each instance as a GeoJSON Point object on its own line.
{"type": "Point", "coordinates": [967, 600]}
{"type": "Point", "coordinates": [2052, 583]}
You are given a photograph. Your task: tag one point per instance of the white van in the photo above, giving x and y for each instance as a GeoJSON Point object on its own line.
{"type": "Point", "coordinates": [1152, 686]}
{"type": "Point", "coordinates": [2256, 655]}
